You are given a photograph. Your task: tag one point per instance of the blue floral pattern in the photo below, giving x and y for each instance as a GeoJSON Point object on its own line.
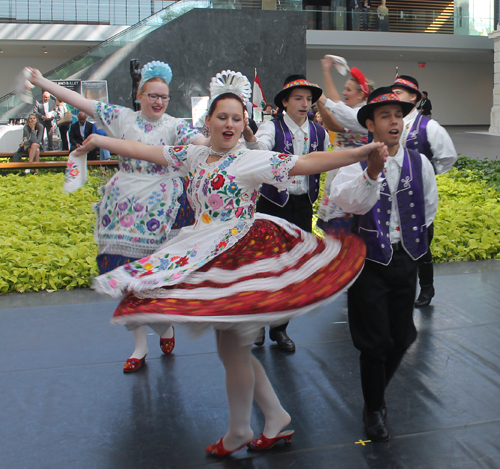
{"type": "Point", "coordinates": [143, 202]}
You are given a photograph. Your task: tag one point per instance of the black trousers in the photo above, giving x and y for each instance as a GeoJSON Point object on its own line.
{"type": "Point", "coordinates": [47, 128]}
{"type": "Point", "coordinates": [298, 210]}
{"type": "Point", "coordinates": [425, 265]}
{"type": "Point", "coordinates": [380, 309]}
{"type": "Point", "coordinates": [63, 130]}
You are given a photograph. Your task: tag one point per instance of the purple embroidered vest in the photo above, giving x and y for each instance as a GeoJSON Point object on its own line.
{"type": "Point", "coordinates": [283, 144]}
{"type": "Point", "coordinates": [417, 137]}
{"type": "Point", "coordinates": [374, 226]}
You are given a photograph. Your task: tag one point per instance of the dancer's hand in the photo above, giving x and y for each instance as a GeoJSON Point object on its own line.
{"type": "Point", "coordinates": [36, 75]}
{"type": "Point", "coordinates": [371, 150]}
{"type": "Point", "coordinates": [91, 142]}
{"type": "Point", "coordinates": [326, 64]}
{"type": "Point", "coordinates": [376, 161]}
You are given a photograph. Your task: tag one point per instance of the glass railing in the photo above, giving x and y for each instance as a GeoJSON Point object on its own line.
{"type": "Point", "coordinates": [12, 107]}
{"type": "Point", "coordinates": [433, 22]}
{"type": "Point", "coordinates": [112, 12]}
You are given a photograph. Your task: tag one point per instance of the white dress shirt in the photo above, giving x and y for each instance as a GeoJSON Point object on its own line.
{"type": "Point", "coordinates": [354, 192]}
{"type": "Point", "coordinates": [441, 144]}
{"type": "Point", "coordinates": [298, 185]}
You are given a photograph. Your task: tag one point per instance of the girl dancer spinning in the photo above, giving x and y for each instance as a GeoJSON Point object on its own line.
{"type": "Point", "coordinates": [144, 204]}
{"type": "Point", "coordinates": [341, 116]}
{"type": "Point", "coordinates": [235, 269]}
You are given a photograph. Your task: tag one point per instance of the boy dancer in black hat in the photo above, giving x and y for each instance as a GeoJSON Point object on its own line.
{"type": "Point", "coordinates": [294, 134]}
{"type": "Point", "coordinates": [395, 201]}
{"type": "Point", "coordinates": [426, 136]}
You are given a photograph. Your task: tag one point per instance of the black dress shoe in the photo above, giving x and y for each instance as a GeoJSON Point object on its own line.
{"type": "Point", "coordinates": [284, 342]}
{"type": "Point", "coordinates": [375, 424]}
{"type": "Point", "coordinates": [425, 296]}
{"type": "Point", "coordinates": [261, 337]}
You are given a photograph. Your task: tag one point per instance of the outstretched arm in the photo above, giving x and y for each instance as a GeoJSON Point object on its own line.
{"type": "Point", "coordinates": [330, 88]}
{"type": "Point", "coordinates": [68, 96]}
{"type": "Point", "coordinates": [328, 120]}
{"type": "Point", "coordinates": [322, 161]}
{"type": "Point", "coordinates": [125, 148]}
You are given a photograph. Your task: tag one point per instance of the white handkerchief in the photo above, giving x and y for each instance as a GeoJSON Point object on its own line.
{"type": "Point", "coordinates": [76, 172]}
{"type": "Point", "coordinates": [340, 64]}
{"type": "Point", "coordinates": [23, 87]}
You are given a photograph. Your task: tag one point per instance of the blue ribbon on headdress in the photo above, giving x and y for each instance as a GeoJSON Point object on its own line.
{"type": "Point", "coordinates": [155, 69]}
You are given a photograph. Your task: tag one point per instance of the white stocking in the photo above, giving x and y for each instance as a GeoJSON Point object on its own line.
{"type": "Point", "coordinates": [165, 331]}
{"type": "Point", "coordinates": [276, 417]}
{"type": "Point", "coordinates": [141, 342]}
{"type": "Point", "coordinates": [240, 382]}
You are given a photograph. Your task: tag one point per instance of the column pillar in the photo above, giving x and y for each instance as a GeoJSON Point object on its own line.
{"type": "Point", "coordinates": [495, 110]}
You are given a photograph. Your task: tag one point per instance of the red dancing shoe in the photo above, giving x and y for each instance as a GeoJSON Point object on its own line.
{"type": "Point", "coordinates": [133, 364]}
{"type": "Point", "coordinates": [217, 449]}
{"type": "Point", "coordinates": [262, 442]}
{"type": "Point", "coordinates": [167, 345]}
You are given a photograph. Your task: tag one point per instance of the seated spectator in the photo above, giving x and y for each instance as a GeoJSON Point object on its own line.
{"type": "Point", "coordinates": [78, 132]}
{"type": "Point", "coordinates": [30, 145]}
{"type": "Point", "coordinates": [103, 153]}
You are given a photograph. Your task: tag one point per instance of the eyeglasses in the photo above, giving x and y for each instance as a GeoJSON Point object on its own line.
{"type": "Point", "coordinates": [155, 97]}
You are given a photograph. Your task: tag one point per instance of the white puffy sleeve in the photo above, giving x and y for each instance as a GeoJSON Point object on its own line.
{"type": "Point", "coordinates": [353, 190]}
{"type": "Point", "coordinates": [443, 150]}
{"type": "Point", "coordinates": [257, 166]}
{"type": "Point", "coordinates": [108, 117]}
{"type": "Point", "coordinates": [179, 159]}
{"type": "Point", "coordinates": [185, 132]}
{"type": "Point", "coordinates": [265, 137]}
{"type": "Point", "coordinates": [346, 116]}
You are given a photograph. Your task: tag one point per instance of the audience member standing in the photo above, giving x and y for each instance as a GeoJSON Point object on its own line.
{"type": "Point", "coordinates": [61, 111]}
{"type": "Point", "coordinates": [424, 106]}
{"type": "Point", "coordinates": [44, 112]}
{"type": "Point", "coordinates": [365, 9]}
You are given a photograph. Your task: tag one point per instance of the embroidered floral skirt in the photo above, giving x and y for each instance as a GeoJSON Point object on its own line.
{"type": "Point", "coordinates": [271, 275]}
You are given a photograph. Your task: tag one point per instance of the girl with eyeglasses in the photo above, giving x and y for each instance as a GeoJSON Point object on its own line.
{"type": "Point", "coordinates": [144, 204]}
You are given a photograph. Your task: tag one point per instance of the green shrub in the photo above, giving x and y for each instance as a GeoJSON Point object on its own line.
{"type": "Point", "coordinates": [46, 236]}
{"type": "Point", "coordinates": [468, 218]}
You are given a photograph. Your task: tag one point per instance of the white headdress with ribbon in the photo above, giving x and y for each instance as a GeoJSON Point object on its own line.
{"type": "Point", "coordinates": [228, 81]}
{"type": "Point", "coordinates": [155, 69]}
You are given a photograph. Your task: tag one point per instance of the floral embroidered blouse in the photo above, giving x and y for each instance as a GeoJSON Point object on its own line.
{"type": "Point", "coordinates": [139, 204]}
{"type": "Point", "coordinates": [223, 195]}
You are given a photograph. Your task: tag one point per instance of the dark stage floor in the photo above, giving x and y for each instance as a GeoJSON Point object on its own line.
{"type": "Point", "coordinates": [67, 404]}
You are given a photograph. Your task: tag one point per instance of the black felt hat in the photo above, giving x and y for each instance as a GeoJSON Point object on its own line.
{"type": "Point", "coordinates": [409, 83]}
{"type": "Point", "coordinates": [297, 81]}
{"type": "Point", "coordinates": [381, 97]}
